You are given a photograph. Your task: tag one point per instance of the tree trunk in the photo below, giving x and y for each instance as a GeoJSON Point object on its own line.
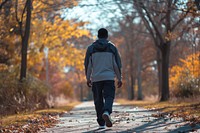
{"type": "Point", "coordinates": [131, 91]}
{"type": "Point", "coordinates": [165, 72]}
{"type": "Point", "coordinates": [80, 85]}
{"type": "Point", "coordinates": [139, 77]}
{"type": "Point", "coordinates": [159, 68]}
{"type": "Point", "coordinates": [128, 85]}
{"type": "Point", "coordinates": [23, 60]}
{"type": "Point", "coordinates": [139, 80]}
{"type": "Point", "coordinates": [25, 42]}
{"type": "Point", "coordinates": [81, 92]}
{"type": "Point", "coordinates": [130, 77]}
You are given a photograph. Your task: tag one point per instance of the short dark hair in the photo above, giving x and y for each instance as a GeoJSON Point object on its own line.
{"type": "Point", "coordinates": [102, 33]}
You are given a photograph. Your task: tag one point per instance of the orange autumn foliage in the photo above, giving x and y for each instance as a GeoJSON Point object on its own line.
{"type": "Point", "coordinates": [185, 78]}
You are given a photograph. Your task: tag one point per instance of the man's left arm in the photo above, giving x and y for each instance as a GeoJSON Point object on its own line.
{"type": "Point", "coordinates": [86, 61]}
{"type": "Point", "coordinates": [118, 67]}
{"type": "Point", "coordinates": [88, 67]}
{"type": "Point", "coordinates": [89, 72]}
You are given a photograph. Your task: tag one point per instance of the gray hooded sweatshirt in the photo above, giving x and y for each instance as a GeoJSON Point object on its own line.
{"type": "Point", "coordinates": [102, 61]}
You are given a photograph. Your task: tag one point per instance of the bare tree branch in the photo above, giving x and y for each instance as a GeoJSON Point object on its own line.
{"type": "Point", "coordinates": [3, 3]}
{"type": "Point", "coordinates": [17, 19]}
{"type": "Point", "coordinates": [16, 11]}
{"type": "Point", "coordinates": [197, 2]}
{"type": "Point", "coordinates": [22, 16]}
{"type": "Point", "coordinates": [182, 18]}
{"type": "Point", "coordinates": [151, 20]}
{"type": "Point", "coordinates": [175, 1]}
{"type": "Point", "coordinates": [147, 24]}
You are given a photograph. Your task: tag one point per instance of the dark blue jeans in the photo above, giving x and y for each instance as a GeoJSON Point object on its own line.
{"type": "Point", "coordinates": [104, 94]}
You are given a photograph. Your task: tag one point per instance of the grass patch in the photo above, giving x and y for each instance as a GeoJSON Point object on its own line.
{"type": "Point", "coordinates": [188, 110]}
{"type": "Point", "coordinates": [24, 118]}
{"type": "Point", "coordinates": [18, 119]}
{"type": "Point", "coordinates": [59, 109]}
{"type": "Point", "coordinates": [168, 106]}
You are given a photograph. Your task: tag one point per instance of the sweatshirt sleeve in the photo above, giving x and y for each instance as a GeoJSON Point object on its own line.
{"type": "Point", "coordinates": [89, 69]}
{"type": "Point", "coordinates": [116, 62]}
{"type": "Point", "coordinates": [117, 70]}
{"type": "Point", "coordinates": [118, 59]}
{"type": "Point", "coordinates": [88, 64]}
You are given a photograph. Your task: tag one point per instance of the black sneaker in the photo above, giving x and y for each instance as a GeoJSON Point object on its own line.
{"type": "Point", "coordinates": [107, 119]}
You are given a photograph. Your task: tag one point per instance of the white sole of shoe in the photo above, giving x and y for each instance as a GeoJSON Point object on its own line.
{"type": "Point", "coordinates": [107, 120]}
{"type": "Point", "coordinates": [101, 128]}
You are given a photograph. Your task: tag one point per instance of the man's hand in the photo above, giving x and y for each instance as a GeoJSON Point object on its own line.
{"type": "Point", "coordinates": [89, 83]}
{"type": "Point", "coordinates": [119, 84]}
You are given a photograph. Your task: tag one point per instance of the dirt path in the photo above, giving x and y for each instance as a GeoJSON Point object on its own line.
{"type": "Point", "coordinates": [127, 119]}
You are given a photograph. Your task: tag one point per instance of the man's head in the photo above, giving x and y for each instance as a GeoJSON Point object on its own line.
{"type": "Point", "coordinates": [102, 33]}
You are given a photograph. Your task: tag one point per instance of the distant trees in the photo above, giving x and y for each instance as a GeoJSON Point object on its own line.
{"type": "Point", "coordinates": [166, 22]}
{"type": "Point", "coordinates": [137, 56]}
{"type": "Point", "coordinates": [18, 16]}
{"type": "Point", "coordinates": [21, 12]}
{"type": "Point", "coordinates": [163, 23]}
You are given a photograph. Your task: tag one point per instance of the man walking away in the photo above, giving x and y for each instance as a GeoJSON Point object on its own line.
{"type": "Point", "coordinates": [102, 64]}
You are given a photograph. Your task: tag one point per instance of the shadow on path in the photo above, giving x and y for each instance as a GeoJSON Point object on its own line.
{"type": "Point", "coordinates": [126, 119]}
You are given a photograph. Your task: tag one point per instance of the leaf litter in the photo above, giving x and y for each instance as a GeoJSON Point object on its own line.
{"type": "Point", "coordinates": [33, 124]}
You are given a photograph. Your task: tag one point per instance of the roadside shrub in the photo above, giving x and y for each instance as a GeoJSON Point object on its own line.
{"type": "Point", "coordinates": [18, 96]}
{"type": "Point", "coordinates": [185, 78]}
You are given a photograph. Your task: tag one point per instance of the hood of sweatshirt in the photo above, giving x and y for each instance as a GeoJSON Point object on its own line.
{"type": "Point", "coordinates": [101, 44]}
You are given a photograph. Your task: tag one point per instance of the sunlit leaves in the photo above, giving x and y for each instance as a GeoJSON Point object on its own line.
{"type": "Point", "coordinates": [58, 35]}
{"type": "Point", "coordinates": [185, 78]}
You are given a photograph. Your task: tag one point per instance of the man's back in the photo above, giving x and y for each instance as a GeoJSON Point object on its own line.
{"type": "Point", "coordinates": [102, 61]}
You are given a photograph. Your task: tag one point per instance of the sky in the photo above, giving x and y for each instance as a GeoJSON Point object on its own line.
{"type": "Point", "coordinates": [99, 15]}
